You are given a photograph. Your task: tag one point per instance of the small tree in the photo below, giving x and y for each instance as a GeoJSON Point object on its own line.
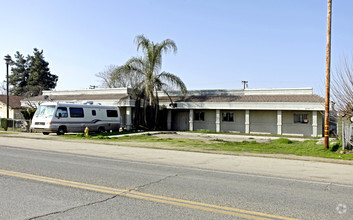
{"type": "Point", "coordinates": [342, 89]}
{"type": "Point", "coordinates": [28, 113]}
{"type": "Point", "coordinates": [112, 77]}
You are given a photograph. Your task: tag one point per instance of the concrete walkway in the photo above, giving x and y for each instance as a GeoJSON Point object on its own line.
{"type": "Point", "coordinates": [272, 167]}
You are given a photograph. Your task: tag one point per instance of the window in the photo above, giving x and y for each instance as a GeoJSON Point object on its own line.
{"type": "Point", "coordinates": [61, 112]}
{"type": "Point", "coordinates": [76, 113]}
{"type": "Point", "coordinates": [199, 116]}
{"type": "Point", "coordinates": [94, 112]}
{"type": "Point", "coordinates": [301, 118]}
{"type": "Point", "coordinates": [45, 111]}
{"type": "Point", "coordinates": [112, 113]}
{"type": "Point", "coordinates": [227, 116]}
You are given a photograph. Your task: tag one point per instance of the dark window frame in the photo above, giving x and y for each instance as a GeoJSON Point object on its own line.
{"type": "Point", "coordinates": [228, 116]}
{"type": "Point", "coordinates": [199, 116]}
{"type": "Point", "coordinates": [301, 118]}
{"type": "Point", "coordinates": [76, 112]}
{"type": "Point", "coordinates": [112, 113]}
{"type": "Point", "coordinates": [63, 109]}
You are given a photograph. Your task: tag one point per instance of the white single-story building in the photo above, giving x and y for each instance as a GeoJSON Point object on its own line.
{"type": "Point", "coordinates": [294, 111]}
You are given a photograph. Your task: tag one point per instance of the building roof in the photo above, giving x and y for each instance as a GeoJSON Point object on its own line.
{"type": "Point", "coordinates": [14, 101]}
{"type": "Point", "coordinates": [277, 99]}
{"type": "Point", "coordinates": [77, 97]}
{"type": "Point", "coordinates": [246, 98]}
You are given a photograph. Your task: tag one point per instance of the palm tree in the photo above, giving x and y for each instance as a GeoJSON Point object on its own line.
{"type": "Point", "coordinates": [147, 69]}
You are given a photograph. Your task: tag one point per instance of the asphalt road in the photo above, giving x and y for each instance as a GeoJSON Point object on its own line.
{"type": "Point", "coordinates": [36, 184]}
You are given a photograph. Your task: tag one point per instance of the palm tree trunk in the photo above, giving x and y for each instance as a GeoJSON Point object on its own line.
{"type": "Point", "coordinates": [156, 111]}
{"type": "Point", "coordinates": [145, 111]}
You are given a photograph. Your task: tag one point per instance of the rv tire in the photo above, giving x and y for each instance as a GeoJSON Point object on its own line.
{"type": "Point", "coordinates": [46, 133]}
{"type": "Point", "coordinates": [101, 130]}
{"type": "Point", "coordinates": [61, 131]}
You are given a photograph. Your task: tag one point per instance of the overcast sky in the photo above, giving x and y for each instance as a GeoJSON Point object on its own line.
{"type": "Point", "coordinates": [271, 44]}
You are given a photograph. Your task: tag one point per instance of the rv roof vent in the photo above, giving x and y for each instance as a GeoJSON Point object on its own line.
{"type": "Point", "coordinates": [88, 103]}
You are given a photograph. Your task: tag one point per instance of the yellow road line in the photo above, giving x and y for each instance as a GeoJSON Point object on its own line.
{"type": "Point", "coordinates": [144, 196]}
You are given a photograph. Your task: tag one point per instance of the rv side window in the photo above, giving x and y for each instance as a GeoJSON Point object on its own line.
{"type": "Point", "coordinates": [61, 112]}
{"type": "Point", "coordinates": [76, 112]}
{"type": "Point", "coordinates": [94, 112]}
{"type": "Point", "coordinates": [112, 113]}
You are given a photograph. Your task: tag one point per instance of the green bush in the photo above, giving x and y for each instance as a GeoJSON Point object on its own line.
{"type": "Point", "coordinates": [28, 113]}
{"type": "Point", "coordinates": [336, 145]}
{"type": "Point", "coordinates": [4, 123]}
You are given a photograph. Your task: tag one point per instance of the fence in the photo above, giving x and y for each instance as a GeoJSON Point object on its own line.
{"type": "Point", "coordinates": [347, 135]}
{"type": "Point", "coordinates": [18, 125]}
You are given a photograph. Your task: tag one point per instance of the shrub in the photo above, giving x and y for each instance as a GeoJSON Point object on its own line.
{"type": "Point", "coordinates": [336, 145]}
{"type": "Point", "coordinates": [4, 123]}
{"type": "Point", "coordinates": [28, 113]}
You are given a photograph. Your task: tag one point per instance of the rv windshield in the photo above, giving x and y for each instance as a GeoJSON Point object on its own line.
{"type": "Point", "coordinates": [45, 111]}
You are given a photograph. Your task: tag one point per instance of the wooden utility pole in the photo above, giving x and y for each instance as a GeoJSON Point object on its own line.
{"type": "Point", "coordinates": [328, 65]}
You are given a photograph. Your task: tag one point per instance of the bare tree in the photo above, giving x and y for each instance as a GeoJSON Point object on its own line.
{"type": "Point", "coordinates": [3, 87]}
{"type": "Point", "coordinates": [342, 89]}
{"type": "Point", "coordinates": [105, 76]}
{"type": "Point", "coordinates": [114, 77]}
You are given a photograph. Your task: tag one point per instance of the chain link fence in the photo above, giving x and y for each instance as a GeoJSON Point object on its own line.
{"type": "Point", "coordinates": [18, 125]}
{"type": "Point", "coordinates": [347, 135]}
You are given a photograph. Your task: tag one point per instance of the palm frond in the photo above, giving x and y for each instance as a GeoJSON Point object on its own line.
{"type": "Point", "coordinates": [167, 45]}
{"type": "Point", "coordinates": [174, 81]}
{"type": "Point", "coordinates": [142, 42]}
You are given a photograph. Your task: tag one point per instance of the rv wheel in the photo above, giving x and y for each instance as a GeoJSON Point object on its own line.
{"type": "Point", "coordinates": [101, 129]}
{"type": "Point", "coordinates": [61, 131]}
{"type": "Point", "coordinates": [46, 133]}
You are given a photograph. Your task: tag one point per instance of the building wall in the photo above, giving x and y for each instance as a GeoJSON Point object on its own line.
{"type": "Point", "coordinates": [320, 124]}
{"type": "Point", "coordinates": [260, 122]}
{"type": "Point", "coordinates": [180, 120]}
{"type": "Point", "coordinates": [289, 127]}
{"type": "Point", "coordinates": [238, 125]}
{"type": "Point", "coordinates": [263, 122]}
{"type": "Point", "coordinates": [123, 116]}
{"type": "Point", "coordinates": [209, 123]}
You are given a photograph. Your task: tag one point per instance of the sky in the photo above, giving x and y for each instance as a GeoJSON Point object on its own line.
{"type": "Point", "coordinates": [270, 44]}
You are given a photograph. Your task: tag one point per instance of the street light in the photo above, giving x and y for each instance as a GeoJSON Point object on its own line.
{"type": "Point", "coordinates": [8, 62]}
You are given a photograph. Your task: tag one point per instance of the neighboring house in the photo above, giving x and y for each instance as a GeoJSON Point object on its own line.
{"type": "Point", "coordinates": [14, 107]}
{"type": "Point", "coordinates": [263, 111]}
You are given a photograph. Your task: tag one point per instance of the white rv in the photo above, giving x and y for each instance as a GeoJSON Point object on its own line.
{"type": "Point", "coordinates": [52, 117]}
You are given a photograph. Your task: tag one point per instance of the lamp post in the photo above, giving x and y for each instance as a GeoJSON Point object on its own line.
{"type": "Point", "coordinates": [8, 62]}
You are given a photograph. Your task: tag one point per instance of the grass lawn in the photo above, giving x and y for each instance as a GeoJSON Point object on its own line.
{"type": "Point", "coordinates": [279, 146]}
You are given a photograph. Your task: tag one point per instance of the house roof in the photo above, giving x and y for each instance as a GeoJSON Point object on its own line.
{"type": "Point", "coordinates": [247, 98]}
{"type": "Point", "coordinates": [78, 97]}
{"type": "Point", "coordinates": [14, 101]}
{"type": "Point", "coordinates": [204, 98]}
